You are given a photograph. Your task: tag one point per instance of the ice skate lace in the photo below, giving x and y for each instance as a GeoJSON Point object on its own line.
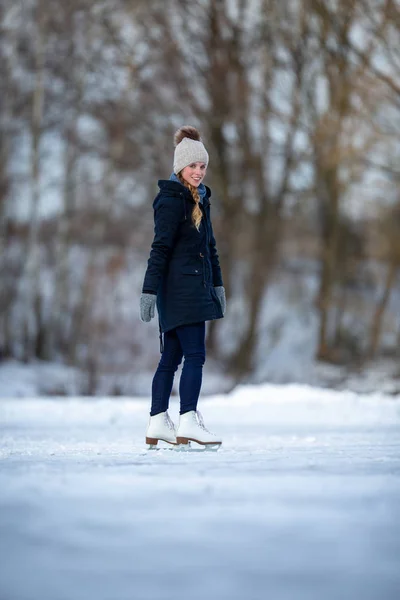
{"type": "Point", "coordinates": [200, 421]}
{"type": "Point", "coordinates": [169, 422]}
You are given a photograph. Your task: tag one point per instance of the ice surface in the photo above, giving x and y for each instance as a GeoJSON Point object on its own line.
{"type": "Point", "coordinates": [301, 502]}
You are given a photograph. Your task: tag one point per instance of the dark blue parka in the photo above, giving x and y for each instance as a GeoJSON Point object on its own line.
{"type": "Point", "coordinates": [183, 267]}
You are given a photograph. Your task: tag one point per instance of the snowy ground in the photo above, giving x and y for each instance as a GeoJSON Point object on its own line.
{"type": "Point", "coordinates": [302, 501]}
{"type": "Point", "coordinates": [41, 378]}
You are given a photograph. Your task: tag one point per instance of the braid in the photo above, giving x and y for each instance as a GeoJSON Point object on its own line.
{"type": "Point", "coordinates": [196, 213]}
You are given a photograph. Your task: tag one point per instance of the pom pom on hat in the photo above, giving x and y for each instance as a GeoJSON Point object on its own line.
{"type": "Point", "coordinates": [188, 148]}
{"type": "Point", "coordinates": [186, 131]}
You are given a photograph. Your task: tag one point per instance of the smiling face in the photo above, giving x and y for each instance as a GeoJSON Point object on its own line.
{"type": "Point", "coordinates": [194, 173]}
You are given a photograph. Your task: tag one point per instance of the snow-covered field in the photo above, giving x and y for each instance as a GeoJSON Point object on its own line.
{"type": "Point", "coordinates": [301, 502]}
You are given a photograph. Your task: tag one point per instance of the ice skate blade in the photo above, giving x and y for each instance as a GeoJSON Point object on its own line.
{"type": "Point", "coordinates": [195, 447]}
{"type": "Point", "coordinates": [155, 448]}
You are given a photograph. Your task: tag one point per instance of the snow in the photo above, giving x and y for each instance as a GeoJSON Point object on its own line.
{"type": "Point", "coordinates": [301, 502]}
{"type": "Point", "coordinates": [21, 380]}
{"type": "Point", "coordinates": [45, 378]}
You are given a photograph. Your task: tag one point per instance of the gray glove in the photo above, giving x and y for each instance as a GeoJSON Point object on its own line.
{"type": "Point", "coordinates": [220, 291]}
{"type": "Point", "coordinates": [147, 304]}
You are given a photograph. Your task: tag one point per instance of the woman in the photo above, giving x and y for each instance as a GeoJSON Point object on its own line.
{"type": "Point", "coordinates": [183, 278]}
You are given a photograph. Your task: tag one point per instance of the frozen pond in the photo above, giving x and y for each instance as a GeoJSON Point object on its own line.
{"type": "Point", "coordinates": [301, 502]}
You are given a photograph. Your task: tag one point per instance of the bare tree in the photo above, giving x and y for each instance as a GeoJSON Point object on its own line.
{"type": "Point", "coordinates": [296, 113]}
{"type": "Point", "coordinates": [391, 233]}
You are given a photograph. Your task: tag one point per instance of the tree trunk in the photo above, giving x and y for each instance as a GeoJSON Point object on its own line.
{"type": "Point", "coordinates": [330, 240]}
{"type": "Point", "coordinates": [377, 319]}
{"type": "Point", "coordinates": [340, 311]}
{"type": "Point", "coordinates": [9, 277]}
{"type": "Point", "coordinates": [267, 236]}
{"type": "Point", "coordinates": [31, 275]}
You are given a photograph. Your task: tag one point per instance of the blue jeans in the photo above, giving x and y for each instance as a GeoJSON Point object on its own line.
{"type": "Point", "coordinates": [187, 341]}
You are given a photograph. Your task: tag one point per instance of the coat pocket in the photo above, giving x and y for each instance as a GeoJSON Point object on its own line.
{"type": "Point", "coordinates": [191, 271]}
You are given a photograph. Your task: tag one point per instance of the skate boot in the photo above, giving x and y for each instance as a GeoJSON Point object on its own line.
{"type": "Point", "coordinates": [160, 428]}
{"type": "Point", "coordinates": [192, 429]}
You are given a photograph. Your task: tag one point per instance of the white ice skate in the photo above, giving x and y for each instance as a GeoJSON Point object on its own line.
{"type": "Point", "coordinates": [160, 428]}
{"type": "Point", "coordinates": [192, 429]}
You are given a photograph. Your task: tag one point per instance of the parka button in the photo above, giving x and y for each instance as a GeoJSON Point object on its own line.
{"type": "Point", "coordinates": [202, 255]}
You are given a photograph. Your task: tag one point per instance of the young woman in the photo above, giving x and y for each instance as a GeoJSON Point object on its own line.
{"type": "Point", "coordinates": [184, 279]}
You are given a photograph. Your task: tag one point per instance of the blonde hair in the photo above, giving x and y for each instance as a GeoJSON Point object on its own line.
{"type": "Point", "coordinates": [196, 213]}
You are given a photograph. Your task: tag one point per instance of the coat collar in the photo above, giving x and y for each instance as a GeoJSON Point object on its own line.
{"type": "Point", "coordinates": [175, 188]}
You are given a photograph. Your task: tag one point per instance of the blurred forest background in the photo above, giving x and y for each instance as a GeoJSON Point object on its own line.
{"type": "Point", "coordinates": [298, 103]}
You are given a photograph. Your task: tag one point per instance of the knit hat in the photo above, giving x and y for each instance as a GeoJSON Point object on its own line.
{"type": "Point", "coordinates": [188, 148]}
